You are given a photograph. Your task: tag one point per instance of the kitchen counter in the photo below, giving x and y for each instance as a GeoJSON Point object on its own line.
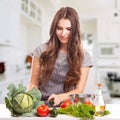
{"type": "Point", "coordinates": [5, 115]}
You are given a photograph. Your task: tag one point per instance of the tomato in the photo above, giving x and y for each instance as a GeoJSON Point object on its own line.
{"type": "Point", "coordinates": [66, 103]}
{"type": "Point", "coordinates": [43, 110]}
{"type": "Point", "coordinates": [87, 102]}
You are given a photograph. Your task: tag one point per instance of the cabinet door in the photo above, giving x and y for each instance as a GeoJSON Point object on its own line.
{"type": "Point", "coordinates": [108, 30]}
{"type": "Point", "coordinates": [102, 31]}
{"type": "Point", "coordinates": [114, 31]}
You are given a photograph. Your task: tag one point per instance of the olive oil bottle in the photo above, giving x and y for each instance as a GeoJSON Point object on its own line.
{"type": "Point", "coordinates": [99, 101]}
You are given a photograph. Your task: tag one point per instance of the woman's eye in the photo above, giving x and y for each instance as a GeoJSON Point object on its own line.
{"type": "Point", "coordinates": [69, 29]}
{"type": "Point", "coordinates": [59, 28]}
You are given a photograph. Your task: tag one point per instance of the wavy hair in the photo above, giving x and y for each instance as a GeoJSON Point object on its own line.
{"type": "Point", "coordinates": [74, 49]}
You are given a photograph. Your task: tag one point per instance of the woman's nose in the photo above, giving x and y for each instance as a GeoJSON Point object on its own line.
{"type": "Point", "coordinates": [63, 33]}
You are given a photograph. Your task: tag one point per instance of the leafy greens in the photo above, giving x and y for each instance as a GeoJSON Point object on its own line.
{"type": "Point", "coordinates": [21, 102]}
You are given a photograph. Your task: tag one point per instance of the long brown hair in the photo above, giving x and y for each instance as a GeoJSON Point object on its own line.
{"type": "Point", "coordinates": [74, 49]}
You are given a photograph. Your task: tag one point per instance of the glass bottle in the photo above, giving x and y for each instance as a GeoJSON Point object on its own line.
{"type": "Point", "coordinates": [99, 101]}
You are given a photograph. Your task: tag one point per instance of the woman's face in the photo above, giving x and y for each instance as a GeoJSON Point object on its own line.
{"type": "Point", "coordinates": [63, 30]}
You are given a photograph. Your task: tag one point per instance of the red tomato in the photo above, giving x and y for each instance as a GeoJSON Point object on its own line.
{"type": "Point", "coordinates": [66, 103]}
{"type": "Point", "coordinates": [87, 102]}
{"type": "Point", "coordinates": [43, 110]}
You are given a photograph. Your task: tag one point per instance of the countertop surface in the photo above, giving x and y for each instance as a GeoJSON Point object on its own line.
{"type": "Point", "coordinates": [113, 108]}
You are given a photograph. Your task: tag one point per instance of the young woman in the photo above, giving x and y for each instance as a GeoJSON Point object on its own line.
{"type": "Point", "coordinates": [60, 67]}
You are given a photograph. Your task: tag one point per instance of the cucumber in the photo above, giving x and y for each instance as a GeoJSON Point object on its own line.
{"type": "Point", "coordinates": [53, 112]}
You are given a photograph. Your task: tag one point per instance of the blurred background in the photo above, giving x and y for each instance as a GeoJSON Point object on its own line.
{"type": "Point", "coordinates": [24, 24]}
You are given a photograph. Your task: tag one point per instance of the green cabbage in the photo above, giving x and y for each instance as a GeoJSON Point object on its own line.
{"type": "Point", "coordinates": [21, 102]}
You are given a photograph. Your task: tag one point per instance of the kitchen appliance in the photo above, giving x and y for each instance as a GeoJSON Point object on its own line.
{"type": "Point", "coordinates": [108, 68]}
{"type": "Point", "coordinates": [114, 83]}
{"type": "Point", "coordinates": [110, 77]}
{"type": "Point", "coordinates": [108, 50]}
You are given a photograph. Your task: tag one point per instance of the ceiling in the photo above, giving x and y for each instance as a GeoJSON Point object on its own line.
{"type": "Point", "coordinates": [93, 7]}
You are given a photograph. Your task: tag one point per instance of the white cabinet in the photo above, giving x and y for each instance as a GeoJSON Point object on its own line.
{"type": "Point", "coordinates": [101, 31]}
{"type": "Point", "coordinates": [108, 30]}
{"type": "Point", "coordinates": [11, 14]}
{"type": "Point", "coordinates": [114, 31]}
{"type": "Point", "coordinates": [31, 10]}
{"type": "Point", "coordinates": [9, 24]}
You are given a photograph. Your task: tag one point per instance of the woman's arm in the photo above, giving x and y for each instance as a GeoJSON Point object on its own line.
{"type": "Point", "coordinates": [34, 77]}
{"type": "Point", "coordinates": [79, 88]}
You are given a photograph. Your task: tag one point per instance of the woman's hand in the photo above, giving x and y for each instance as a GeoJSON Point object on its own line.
{"type": "Point", "coordinates": [58, 98]}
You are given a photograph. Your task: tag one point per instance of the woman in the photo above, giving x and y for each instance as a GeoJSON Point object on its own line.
{"type": "Point", "coordinates": [60, 67]}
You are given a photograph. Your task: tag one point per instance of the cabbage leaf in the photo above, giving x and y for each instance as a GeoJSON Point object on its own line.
{"type": "Point", "coordinates": [11, 102]}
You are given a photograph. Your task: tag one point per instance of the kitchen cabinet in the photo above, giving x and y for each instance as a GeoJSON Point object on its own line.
{"type": "Point", "coordinates": [9, 22]}
{"type": "Point", "coordinates": [31, 10]}
{"type": "Point", "coordinates": [101, 31]}
{"type": "Point", "coordinates": [114, 31]}
{"type": "Point", "coordinates": [108, 30]}
{"type": "Point", "coordinates": [14, 17]}
{"type": "Point", "coordinates": [19, 34]}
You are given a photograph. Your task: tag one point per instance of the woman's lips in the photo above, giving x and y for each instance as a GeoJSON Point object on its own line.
{"type": "Point", "coordinates": [64, 38]}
